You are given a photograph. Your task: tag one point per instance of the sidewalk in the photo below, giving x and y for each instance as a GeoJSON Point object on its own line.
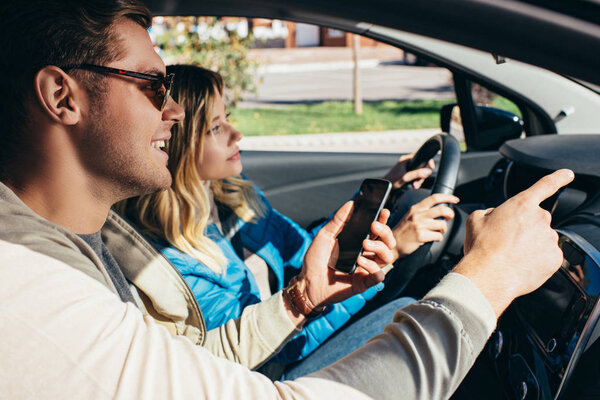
{"type": "Point", "coordinates": [401, 141]}
{"type": "Point", "coordinates": [302, 59]}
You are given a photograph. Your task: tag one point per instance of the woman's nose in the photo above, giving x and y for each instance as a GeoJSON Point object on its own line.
{"type": "Point", "coordinates": [235, 135]}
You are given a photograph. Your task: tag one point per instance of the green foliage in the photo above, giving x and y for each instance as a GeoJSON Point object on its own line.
{"type": "Point", "coordinates": [486, 97]}
{"type": "Point", "coordinates": [208, 43]}
{"type": "Point", "coordinates": [338, 116]}
{"type": "Point", "coordinates": [504, 104]}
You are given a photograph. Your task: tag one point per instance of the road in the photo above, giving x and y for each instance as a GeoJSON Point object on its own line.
{"type": "Point", "coordinates": [289, 84]}
{"type": "Point", "coordinates": [317, 82]}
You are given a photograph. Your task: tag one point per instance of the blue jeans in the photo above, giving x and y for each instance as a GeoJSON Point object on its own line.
{"type": "Point", "coordinates": [347, 340]}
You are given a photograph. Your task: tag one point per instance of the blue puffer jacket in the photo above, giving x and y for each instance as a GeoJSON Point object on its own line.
{"type": "Point", "coordinates": [282, 244]}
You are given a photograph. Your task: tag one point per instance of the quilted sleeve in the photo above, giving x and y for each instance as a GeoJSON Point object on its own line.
{"type": "Point", "coordinates": [318, 329]}
{"type": "Point", "coordinates": [218, 303]}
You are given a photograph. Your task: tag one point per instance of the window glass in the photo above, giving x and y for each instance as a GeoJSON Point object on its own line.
{"type": "Point", "coordinates": [483, 96]}
{"type": "Point", "coordinates": [497, 119]}
{"type": "Point", "coordinates": [302, 87]}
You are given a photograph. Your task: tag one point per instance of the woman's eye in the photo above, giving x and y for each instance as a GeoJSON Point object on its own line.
{"type": "Point", "coordinates": [214, 130]}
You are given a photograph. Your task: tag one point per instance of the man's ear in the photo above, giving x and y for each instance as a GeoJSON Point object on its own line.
{"type": "Point", "coordinates": [59, 95]}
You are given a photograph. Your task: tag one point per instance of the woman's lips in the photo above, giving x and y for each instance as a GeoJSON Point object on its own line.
{"type": "Point", "coordinates": [235, 157]}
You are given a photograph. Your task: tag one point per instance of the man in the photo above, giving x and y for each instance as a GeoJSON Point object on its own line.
{"type": "Point", "coordinates": [97, 111]}
{"type": "Point", "coordinates": [85, 105]}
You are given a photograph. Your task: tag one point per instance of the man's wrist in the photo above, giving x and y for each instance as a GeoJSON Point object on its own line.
{"type": "Point", "coordinates": [478, 271]}
{"type": "Point", "coordinates": [295, 317]}
{"type": "Point", "coordinates": [396, 254]}
{"type": "Point", "coordinates": [295, 294]}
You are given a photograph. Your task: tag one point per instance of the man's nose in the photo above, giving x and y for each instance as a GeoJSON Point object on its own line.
{"type": "Point", "coordinates": [173, 111]}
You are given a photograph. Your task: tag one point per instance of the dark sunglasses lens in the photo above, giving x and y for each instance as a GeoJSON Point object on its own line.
{"type": "Point", "coordinates": [161, 96]}
{"type": "Point", "coordinates": [168, 84]}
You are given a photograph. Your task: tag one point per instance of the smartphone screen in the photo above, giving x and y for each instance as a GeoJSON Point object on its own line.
{"type": "Point", "coordinates": [369, 201]}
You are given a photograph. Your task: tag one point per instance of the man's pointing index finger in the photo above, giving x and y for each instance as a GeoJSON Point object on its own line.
{"type": "Point", "coordinates": [548, 185]}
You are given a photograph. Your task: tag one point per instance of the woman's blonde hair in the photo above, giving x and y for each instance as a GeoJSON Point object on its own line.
{"type": "Point", "coordinates": [181, 213]}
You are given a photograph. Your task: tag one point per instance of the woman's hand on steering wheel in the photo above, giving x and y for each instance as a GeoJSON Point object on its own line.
{"type": "Point", "coordinates": [399, 176]}
{"type": "Point", "coordinates": [426, 221]}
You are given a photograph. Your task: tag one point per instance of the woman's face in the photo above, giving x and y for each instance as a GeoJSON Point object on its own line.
{"type": "Point", "coordinates": [221, 155]}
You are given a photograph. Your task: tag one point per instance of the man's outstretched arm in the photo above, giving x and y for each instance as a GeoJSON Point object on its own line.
{"type": "Point", "coordinates": [509, 251]}
{"type": "Point", "coordinates": [67, 336]}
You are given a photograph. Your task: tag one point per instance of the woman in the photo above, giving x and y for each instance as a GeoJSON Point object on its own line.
{"type": "Point", "coordinates": [230, 245]}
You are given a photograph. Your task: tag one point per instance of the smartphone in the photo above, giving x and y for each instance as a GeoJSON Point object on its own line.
{"type": "Point", "coordinates": [368, 203]}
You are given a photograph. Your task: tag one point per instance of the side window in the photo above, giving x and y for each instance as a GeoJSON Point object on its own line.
{"type": "Point", "coordinates": [313, 88]}
{"type": "Point", "coordinates": [334, 91]}
{"type": "Point", "coordinates": [493, 119]}
{"type": "Point", "coordinates": [483, 96]}
{"type": "Point", "coordinates": [455, 127]}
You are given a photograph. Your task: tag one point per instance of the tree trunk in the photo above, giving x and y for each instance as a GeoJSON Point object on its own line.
{"type": "Point", "coordinates": [356, 77]}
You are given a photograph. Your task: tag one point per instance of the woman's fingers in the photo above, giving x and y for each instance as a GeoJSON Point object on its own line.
{"type": "Point", "coordinates": [444, 212]}
{"type": "Point", "coordinates": [435, 225]}
{"type": "Point", "coordinates": [377, 250]}
{"type": "Point", "coordinates": [383, 233]}
{"type": "Point", "coordinates": [416, 175]}
{"type": "Point", "coordinates": [367, 274]}
{"type": "Point", "coordinates": [384, 215]}
{"type": "Point", "coordinates": [435, 199]}
{"type": "Point", "coordinates": [430, 236]}
{"type": "Point", "coordinates": [368, 265]}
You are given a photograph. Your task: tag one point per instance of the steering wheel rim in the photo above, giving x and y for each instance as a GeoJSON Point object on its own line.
{"type": "Point", "coordinates": [445, 182]}
{"type": "Point", "coordinates": [448, 166]}
{"type": "Point", "coordinates": [449, 163]}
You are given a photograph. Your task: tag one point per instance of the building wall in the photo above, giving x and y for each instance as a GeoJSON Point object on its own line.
{"type": "Point", "coordinates": [303, 35]}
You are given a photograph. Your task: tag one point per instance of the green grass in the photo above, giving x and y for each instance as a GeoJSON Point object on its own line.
{"type": "Point", "coordinates": [506, 105]}
{"type": "Point", "coordinates": [335, 116]}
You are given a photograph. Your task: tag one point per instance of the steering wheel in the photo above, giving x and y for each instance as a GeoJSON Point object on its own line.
{"type": "Point", "coordinates": [445, 180]}
{"type": "Point", "coordinates": [447, 173]}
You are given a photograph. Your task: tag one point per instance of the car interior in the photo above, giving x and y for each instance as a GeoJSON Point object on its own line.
{"type": "Point", "coordinates": [546, 344]}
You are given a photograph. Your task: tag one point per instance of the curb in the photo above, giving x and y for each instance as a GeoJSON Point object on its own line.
{"type": "Point", "coordinates": [398, 141]}
{"type": "Point", "coordinates": [319, 66]}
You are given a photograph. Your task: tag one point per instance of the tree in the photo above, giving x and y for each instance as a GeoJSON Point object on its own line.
{"type": "Point", "coordinates": [209, 43]}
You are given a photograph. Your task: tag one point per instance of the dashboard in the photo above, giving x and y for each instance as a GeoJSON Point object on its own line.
{"type": "Point", "coordinates": [546, 344]}
{"type": "Point", "coordinates": [539, 342]}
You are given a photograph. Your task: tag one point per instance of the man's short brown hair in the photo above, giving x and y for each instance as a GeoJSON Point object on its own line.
{"type": "Point", "coordinates": [38, 33]}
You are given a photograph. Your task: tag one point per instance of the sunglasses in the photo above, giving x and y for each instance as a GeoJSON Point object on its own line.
{"type": "Point", "coordinates": [161, 85]}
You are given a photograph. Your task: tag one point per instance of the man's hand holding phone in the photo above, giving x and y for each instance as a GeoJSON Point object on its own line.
{"type": "Point", "coordinates": [324, 285]}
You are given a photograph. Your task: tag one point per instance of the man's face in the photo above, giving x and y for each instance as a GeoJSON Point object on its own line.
{"type": "Point", "coordinates": [123, 132]}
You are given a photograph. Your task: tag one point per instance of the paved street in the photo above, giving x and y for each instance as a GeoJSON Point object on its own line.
{"type": "Point", "coordinates": [383, 82]}
{"type": "Point", "coordinates": [318, 74]}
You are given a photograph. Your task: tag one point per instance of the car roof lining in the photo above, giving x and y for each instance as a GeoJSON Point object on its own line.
{"type": "Point", "coordinates": [518, 30]}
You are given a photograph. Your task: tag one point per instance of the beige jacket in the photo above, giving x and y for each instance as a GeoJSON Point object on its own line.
{"type": "Point", "coordinates": [67, 336]}
{"type": "Point", "coordinates": [163, 294]}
